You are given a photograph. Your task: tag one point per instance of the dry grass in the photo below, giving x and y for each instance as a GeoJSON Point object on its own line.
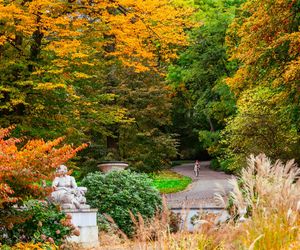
{"type": "Point", "coordinates": [270, 193]}
{"type": "Point", "coordinates": [156, 235]}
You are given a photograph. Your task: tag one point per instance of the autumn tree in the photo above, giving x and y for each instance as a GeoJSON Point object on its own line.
{"type": "Point", "coordinates": [264, 39]}
{"type": "Point", "coordinates": [22, 168]}
{"type": "Point", "coordinates": [55, 54]}
{"type": "Point", "coordinates": [145, 34]}
{"type": "Point", "coordinates": [263, 123]}
{"type": "Point", "coordinates": [46, 52]}
{"type": "Point", "coordinates": [145, 142]}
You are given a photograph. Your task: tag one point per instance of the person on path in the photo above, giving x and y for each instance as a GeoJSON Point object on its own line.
{"type": "Point", "coordinates": [197, 168]}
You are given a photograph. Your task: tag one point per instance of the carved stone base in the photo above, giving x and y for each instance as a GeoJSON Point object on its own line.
{"type": "Point", "coordinates": [86, 221]}
{"type": "Point", "coordinates": [69, 206]}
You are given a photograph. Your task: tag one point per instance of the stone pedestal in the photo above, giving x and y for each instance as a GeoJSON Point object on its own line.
{"type": "Point", "coordinates": [86, 221]}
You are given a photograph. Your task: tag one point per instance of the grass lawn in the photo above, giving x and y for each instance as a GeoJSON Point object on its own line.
{"type": "Point", "coordinates": [168, 181]}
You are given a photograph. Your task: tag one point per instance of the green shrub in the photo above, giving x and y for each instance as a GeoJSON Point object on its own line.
{"type": "Point", "coordinates": [119, 192]}
{"type": "Point", "coordinates": [215, 164]}
{"type": "Point", "coordinates": [37, 221]}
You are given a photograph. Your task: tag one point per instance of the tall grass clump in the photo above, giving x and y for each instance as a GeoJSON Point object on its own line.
{"type": "Point", "coordinates": [157, 234]}
{"type": "Point", "coordinates": [269, 195]}
{"type": "Point", "coordinates": [265, 208]}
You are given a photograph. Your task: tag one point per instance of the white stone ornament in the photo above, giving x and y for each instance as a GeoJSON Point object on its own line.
{"type": "Point", "coordinates": [72, 200]}
{"type": "Point", "coordinates": [65, 191]}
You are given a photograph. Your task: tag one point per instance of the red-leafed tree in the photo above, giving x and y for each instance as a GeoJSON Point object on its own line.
{"type": "Point", "coordinates": [23, 168]}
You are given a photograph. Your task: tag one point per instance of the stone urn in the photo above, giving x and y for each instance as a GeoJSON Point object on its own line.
{"type": "Point", "coordinates": [109, 166]}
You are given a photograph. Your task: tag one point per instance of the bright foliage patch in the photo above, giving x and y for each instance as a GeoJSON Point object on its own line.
{"type": "Point", "coordinates": [22, 168]}
{"type": "Point", "coordinates": [140, 32]}
{"type": "Point", "coordinates": [35, 246]}
{"type": "Point", "coordinates": [265, 38]}
{"type": "Point", "coordinates": [168, 181]}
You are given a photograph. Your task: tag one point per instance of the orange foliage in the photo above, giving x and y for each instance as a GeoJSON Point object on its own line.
{"type": "Point", "coordinates": [147, 31]}
{"type": "Point", "coordinates": [141, 32]}
{"type": "Point", "coordinates": [21, 170]}
{"type": "Point", "coordinates": [265, 38]}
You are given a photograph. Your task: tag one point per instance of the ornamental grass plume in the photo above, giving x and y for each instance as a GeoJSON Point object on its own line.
{"type": "Point", "coordinates": [156, 234]}
{"type": "Point", "coordinates": [267, 187]}
{"type": "Point", "coordinates": [271, 195]}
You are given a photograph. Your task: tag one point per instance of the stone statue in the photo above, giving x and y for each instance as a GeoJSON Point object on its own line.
{"type": "Point", "coordinates": [65, 191]}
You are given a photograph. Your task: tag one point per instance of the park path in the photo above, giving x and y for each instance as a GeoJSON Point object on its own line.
{"type": "Point", "coordinates": [200, 193]}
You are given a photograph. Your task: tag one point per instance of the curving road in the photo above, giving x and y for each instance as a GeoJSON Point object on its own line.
{"type": "Point", "coordinates": [200, 193]}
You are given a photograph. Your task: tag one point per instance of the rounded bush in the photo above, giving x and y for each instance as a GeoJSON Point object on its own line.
{"type": "Point", "coordinates": [118, 192]}
{"type": "Point", "coordinates": [37, 221]}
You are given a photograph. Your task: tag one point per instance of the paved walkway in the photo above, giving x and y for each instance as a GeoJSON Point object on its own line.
{"type": "Point", "coordinates": [200, 193]}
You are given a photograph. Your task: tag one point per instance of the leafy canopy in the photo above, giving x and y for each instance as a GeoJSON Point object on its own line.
{"type": "Point", "coordinates": [202, 101]}
{"type": "Point", "coordinates": [264, 39]}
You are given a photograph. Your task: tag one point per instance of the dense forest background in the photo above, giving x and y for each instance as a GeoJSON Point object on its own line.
{"type": "Point", "coordinates": [148, 81]}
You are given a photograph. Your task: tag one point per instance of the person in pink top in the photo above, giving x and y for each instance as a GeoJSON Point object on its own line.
{"type": "Point", "coordinates": [197, 168]}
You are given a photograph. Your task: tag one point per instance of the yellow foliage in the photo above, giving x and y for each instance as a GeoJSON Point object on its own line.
{"type": "Point", "coordinates": [34, 246]}
{"type": "Point", "coordinates": [81, 75]}
{"type": "Point", "coordinates": [49, 86]}
{"type": "Point", "coordinates": [292, 70]}
{"type": "Point", "coordinates": [265, 39]}
{"type": "Point", "coordinates": [142, 31]}
{"type": "Point", "coordinates": [120, 116]}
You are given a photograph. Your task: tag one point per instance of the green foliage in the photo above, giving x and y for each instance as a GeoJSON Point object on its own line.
{"type": "Point", "coordinates": [209, 138]}
{"type": "Point", "coordinates": [183, 123]}
{"type": "Point", "coordinates": [120, 192]}
{"type": "Point", "coordinates": [37, 221]}
{"type": "Point", "coordinates": [264, 123]}
{"type": "Point", "coordinates": [180, 162]}
{"type": "Point", "coordinates": [202, 101]}
{"type": "Point", "coordinates": [144, 142]}
{"type": "Point", "coordinates": [261, 68]}
{"type": "Point", "coordinates": [154, 152]}
{"type": "Point", "coordinates": [168, 181]}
